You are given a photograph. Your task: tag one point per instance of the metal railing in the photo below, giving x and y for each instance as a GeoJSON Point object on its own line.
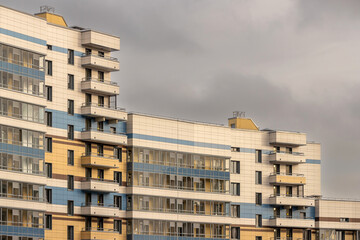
{"type": "Point", "coordinates": [22, 170]}
{"type": "Point", "coordinates": [91, 204]}
{"type": "Point", "coordinates": [88, 179]}
{"type": "Point", "coordinates": [102, 131]}
{"type": "Point", "coordinates": [290, 217]}
{"type": "Point", "coordinates": [286, 174]}
{"type": "Point", "coordinates": [289, 153]}
{"type": "Point", "coordinates": [21, 90]}
{"type": "Point", "coordinates": [90, 79]}
{"type": "Point", "coordinates": [182, 165]}
{"type": "Point", "coordinates": [182, 211]}
{"type": "Point", "coordinates": [92, 229]}
{"type": "Point", "coordinates": [93, 55]}
{"type": "Point", "coordinates": [102, 106]}
{"type": "Point", "coordinates": [22, 224]}
{"type": "Point", "coordinates": [22, 197]}
{"type": "Point", "coordinates": [167, 186]}
{"type": "Point", "coordinates": [101, 155]}
{"type": "Point", "coordinates": [291, 196]}
{"type": "Point", "coordinates": [166, 233]}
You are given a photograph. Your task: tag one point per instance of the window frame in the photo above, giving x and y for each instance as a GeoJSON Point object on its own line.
{"type": "Point", "coordinates": [70, 56]}
{"type": "Point", "coordinates": [70, 157]}
{"type": "Point", "coordinates": [70, 207]}
{"type": "Point", "coordinates": [70, 182]}
{"type": "Point", "coordinates": [70, 107]}
{"type": "Point", "coordinates": [71, 82]}
{"type": "Point", "coordinates": [48, 221]}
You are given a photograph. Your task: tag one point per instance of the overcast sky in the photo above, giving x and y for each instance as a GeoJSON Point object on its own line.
{"type": "Point", "coordinates": [291, 65]}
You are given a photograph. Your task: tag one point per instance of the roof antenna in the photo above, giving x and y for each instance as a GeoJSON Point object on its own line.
{"type": "Point", "coordinates": [46, 8]}
{"type": "Point", "coordinates": [238, 114]}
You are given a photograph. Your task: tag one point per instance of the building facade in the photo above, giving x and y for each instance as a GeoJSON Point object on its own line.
{"type": "Point", "coordinates": [76, 166]}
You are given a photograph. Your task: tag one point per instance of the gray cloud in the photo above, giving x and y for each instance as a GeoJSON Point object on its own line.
{"type": "Point", "coordinates": [290, 65]}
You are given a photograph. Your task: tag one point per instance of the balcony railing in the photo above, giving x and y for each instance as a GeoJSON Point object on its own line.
{"type": "Point", "coordinates": [87, 179]}
{"type": "Point", "coordinates": [103, 106]}
{"type": "Point", "coordinates": [92, 229]}
{"type": "Point", "coordinates": [89, 79]}
{"type": "Point", "coordinates": [102, 57]}
{"type": "Point", "coordinates": [287, 174]}
{"type": "Point", "coordinates": [21, 197]}
{"type": "Point", "coordinates": [101, 155]}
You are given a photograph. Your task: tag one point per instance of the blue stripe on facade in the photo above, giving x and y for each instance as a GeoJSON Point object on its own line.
{"type": "Point", "coordinates": [313, 161]}
{"type": "Point", "coordinates": [20, 70]}
{"type": "Point", "coordinates": [22, 36]}
{"type": "Point", "coordinates": [178, 141]}
{"type": "Point", "coordinates": [35, 40]}
{"type": "Point", "coordinates": [22, 231]}
{"type": "Point", "coordinates": [180, 171]}
{"type": "Point", "coordinates": [249, 210]}
{"type": "Point", "coordinates": [23, 151]}
{"type": "Point", "coordinates": [155, 237]}
{"type": "Point", "coordinates": [65, 50]}
{"type": "Point", "coordinates": [60, 196]}
{"type": "Point", "coordinates": [61, 119]}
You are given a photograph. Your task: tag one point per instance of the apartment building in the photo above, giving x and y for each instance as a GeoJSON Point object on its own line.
{"type": "Point", "coordinates": [74, 165]}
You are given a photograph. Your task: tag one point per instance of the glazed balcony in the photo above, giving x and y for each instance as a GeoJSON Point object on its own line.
{"type": "Point", "coordinates": [287, 138]}
{"type": "Point", "coordinates": [106, 64]}
{"type": "Point", "coordinates": [99, 210]}
{"type": "Point", "coordinates": [93, 39]}
{"type": "Point", "coordinates": [103, 112]}
{"type": "Point", "coordinates": [291, 200]}
{"type": "Point", "coordinates": [99, 233]}
{"type": "Point", "coordinates": [287, 178]}
{"type": "Point", "coordinates": [99, 161]}
{"type": "Point", "coordinates": [102, 136]}
{"type": "Point", "coordinates": [286, 158]}
{"type": "Point", "coordinates": [99, 185]}
{"type": "Point", "coordinates": [292, 222]}
{"type": "Point", "coordinates": [99, 87]}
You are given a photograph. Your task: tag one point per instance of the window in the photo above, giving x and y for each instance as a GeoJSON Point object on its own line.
{"type": "Point", "coordinates": [100, 76]}
{"type": "Point", "coordinates": [235, 232]}
{"type": "Point", "coordinates": [70, 232]}
{"type": "Point", "coordinates": [48, 221]}
{"type": "Point", "coordinates": [48, 170]}
{"type": "Point", "coordinates": [118, 226]}
{"type": "Point", "coordinates": [277, 149]}
{"type": "Point", "coordinates": [48, 93]}
{"type": "Point", "coordinates": [258, 238]}
{"type": "Point", "coordinates": [49, 47]}
{"type": "Point", "coordinates": [258, 177]}
{"type": "Point", "coordinates": [71, 132]}
{"type": "Point", "coordinates": [258, 220]}
{"type": "Point", "coordinates": [118, 177]}
{"type": "Point", "coordinates": [232, 125]}
{"type": "Point", "coordinates": [70, 56]}
{"type": "Point", "coordinates": [88, 51]}
{"type": "Point", "coordinates": [117, 201]}
{"type": "Point", "coordinates": [235, 149]}
{"type": "Point", "coordinates": [48, 195]}
{"type": "Point", "coordinates": [118, 153]}
{"type": "Point", "coordinates": [70, 107]}
{"type": "Point", "coordinates": [113, 130]}
{"type": "Point", "coordinates": [70, 156]}
{"type": "Point", "coordinates": [343, 219]}
{"type": "Point", "coordinates": [70, 207]}
{"type": "Point", "coordinates": [289, 150]}
{"type": "Point", "coordinates": [70, 81]}
{"type": "Point", "coordinates": [48, 116]}
{"type": "Point", "coordinates": [235, 211]}
{"type": "Point", "coordinates": [48, 144]}
{"type": "Point", "coordinates": [258, 198]}
{"type": "Point", "coordinates": [101, 54]}
{"type": "Point", "coordinates": [235, 189]}
{"type": "Point", "coordinates": [235, 167]}
{"type": "Point", "coordinates": [48, 67]}
{"type": "Point", "coordinates": [70, 184]}
{"type": "Point", "coordinates": [258, 156]}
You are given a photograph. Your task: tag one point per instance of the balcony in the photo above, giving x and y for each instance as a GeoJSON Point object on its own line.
{"type": "Point", "coordinates": [96, 233]}
{"type": "Point", "coordinates": [102, 136]}
{"type": "Point", "coordinates": [106, 64]}
{"type": "Point", "coordinates": [102, 111]}
{"type": "Point", "coordinates": [287, 138]}
{"type": "Point", "coordinates": [99, 185]}
{"type": "Point", "coordinates": [292, 222]}
{"type": "Point", "coordinates": [26, 202]}
{"type": "Point", "coordinates": [286, 178]}
{"type": "Point", "coordinates": [287, 158]}
{"type": "Point", "coordinates": [93, 39]}
{"type": "Point", "coordinates": [99, 161]}
{"type": "Point", "coordinates": [99, 210]}
{"type": "Point", "coordinates": [99, 87]}
{"type": "Point", "coordinates": [291, 200]}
